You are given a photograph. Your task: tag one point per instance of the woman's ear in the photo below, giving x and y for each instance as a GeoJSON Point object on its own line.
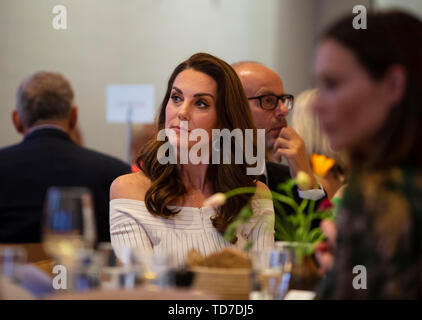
{"type": "Point", "coordinates": [395, 84]}
{"type": "Point", "coordinates": [16, 119]}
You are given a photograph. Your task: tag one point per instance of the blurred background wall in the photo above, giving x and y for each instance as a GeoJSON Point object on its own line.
{"type": "Point", "coordinates": [141, 41]}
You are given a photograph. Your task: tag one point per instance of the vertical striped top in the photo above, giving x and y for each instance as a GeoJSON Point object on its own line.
{"type": "Point", "coordinates": [132, 226]}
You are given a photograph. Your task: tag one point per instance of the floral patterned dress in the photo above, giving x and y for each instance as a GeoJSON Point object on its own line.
{"type": "Point", "coordinates": [380, 228]}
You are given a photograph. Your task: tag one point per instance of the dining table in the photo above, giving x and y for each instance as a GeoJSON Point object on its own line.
{"type": "Point", "coordinates": [36, 277]}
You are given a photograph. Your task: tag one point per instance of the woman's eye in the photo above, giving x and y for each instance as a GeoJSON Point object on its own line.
{"type": "Point", "coordinates": [175, 98]}
{"type": "Point", "coordinates": [202, 104]}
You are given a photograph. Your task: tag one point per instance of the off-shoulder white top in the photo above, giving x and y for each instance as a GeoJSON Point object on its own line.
{"type": "Point", "coordinates": [131, 225]}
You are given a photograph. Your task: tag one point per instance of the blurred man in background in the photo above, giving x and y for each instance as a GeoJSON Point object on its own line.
{"type": "Point", "coordinates": [46, 116]}
{"type": "Point", "coordinates": [270, 106]}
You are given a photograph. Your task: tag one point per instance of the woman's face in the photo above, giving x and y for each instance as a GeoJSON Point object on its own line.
{"type": "Point", "coordinates": [192, 99]}
{"type": "Point", "coordinates": [351, 106]}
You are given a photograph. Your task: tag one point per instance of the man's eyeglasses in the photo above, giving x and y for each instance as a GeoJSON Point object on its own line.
{"type": "Point", "coordinates": [270, 101]}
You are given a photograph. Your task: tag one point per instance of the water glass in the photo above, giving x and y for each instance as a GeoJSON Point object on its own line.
{"type": "Point", "coordinates": [85, 270]}
{"type": "Point", "coordinates": [271, 273]}
{"type": "Point", "coordinates": [125, 273]}
{"type": "Point", "coordinates": [157, 268]}
{"type": "Point", "coordinates": [11, 258]}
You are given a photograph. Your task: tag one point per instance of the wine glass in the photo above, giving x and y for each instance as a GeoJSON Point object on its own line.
{"type": "Point", "coordinates": [69, 223]}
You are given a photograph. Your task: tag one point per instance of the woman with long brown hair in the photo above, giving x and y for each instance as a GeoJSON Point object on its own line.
{"type": "Point", "coordinates": [161, 208]}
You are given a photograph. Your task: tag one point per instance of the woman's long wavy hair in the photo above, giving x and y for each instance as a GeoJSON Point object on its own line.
{"type": "Point", "coordinates": [392, 38]}
{"type": "Point", "coordinates": [233, 111]}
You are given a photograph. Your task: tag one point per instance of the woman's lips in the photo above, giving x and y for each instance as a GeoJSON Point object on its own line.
{"type": "Point", "coordinates": [178, 129]}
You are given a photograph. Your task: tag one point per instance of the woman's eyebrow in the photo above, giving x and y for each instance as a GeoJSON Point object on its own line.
{"type": "Point", "coordinates": [199, 94]}
{"type": "Point", "coordinates": [203, 94]}
{"type": "Point", "coordinates": [178, 90]}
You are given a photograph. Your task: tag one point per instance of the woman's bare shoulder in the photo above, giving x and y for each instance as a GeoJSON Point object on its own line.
{"type": "Point", "coordinates": [262, 191]}
{"type": "Point", "coordinates": [130, 186]}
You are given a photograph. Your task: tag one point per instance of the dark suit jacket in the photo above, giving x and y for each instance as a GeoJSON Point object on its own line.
{"type": "Point", "coordinates": [278, 173]}
{"type": "Point", "coordinates": [48, 157]}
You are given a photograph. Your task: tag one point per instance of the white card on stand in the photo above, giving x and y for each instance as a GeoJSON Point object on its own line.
{"type": "Point", "coordinates": [135, 101]}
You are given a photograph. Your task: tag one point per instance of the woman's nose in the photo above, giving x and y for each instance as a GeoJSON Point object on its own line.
{"type": "Point", "coordinates": [183, 112]}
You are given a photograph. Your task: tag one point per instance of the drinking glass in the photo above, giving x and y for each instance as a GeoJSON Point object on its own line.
{"type": "Point", "coordinates": [304, 270]}
{"type": "Point", "coordinates": [156, 268]}
{"type": "Point", "coordinates": [86, 270]}
{"type": "Point", "coordinates": [12, 259]}
{"type": "Point", "coordinates": [69, 223]}
{"type": "Point", "coordinates": [119, 274]}
{"type": "Point", "coordinates": [271, 273]}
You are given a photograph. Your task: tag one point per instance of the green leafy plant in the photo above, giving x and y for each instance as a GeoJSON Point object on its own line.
{"type": "Point", "coordinates": [294, 226]}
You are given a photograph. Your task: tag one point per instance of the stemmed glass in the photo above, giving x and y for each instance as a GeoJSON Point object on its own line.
{"type": "Point", "coordinates": [69, 223]}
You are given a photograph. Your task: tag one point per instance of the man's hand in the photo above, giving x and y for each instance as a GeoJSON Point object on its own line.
{"type": "Point", "coordinates": [291, 146]}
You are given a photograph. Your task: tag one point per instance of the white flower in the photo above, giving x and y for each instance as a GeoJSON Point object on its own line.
{"type": "Point", "coordinates": [217, 199]}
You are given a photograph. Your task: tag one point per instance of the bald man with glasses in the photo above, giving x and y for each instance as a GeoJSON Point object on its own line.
{"type": "Point", "coordinates": [270, 106]}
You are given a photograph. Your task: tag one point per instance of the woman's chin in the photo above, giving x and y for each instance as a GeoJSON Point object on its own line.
{"type": "Point", "coordinates": [182, 146]}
